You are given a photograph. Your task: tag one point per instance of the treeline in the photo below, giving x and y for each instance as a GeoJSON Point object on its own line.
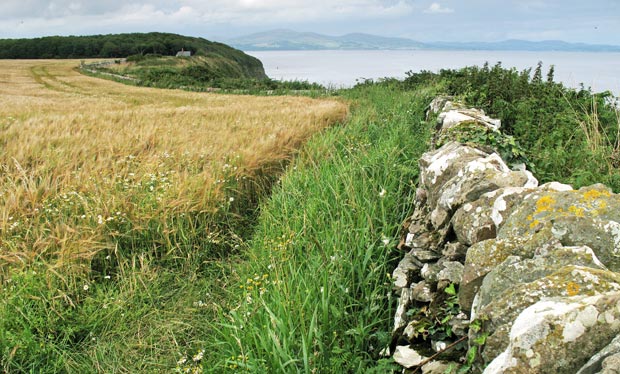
{"type": "Point", "coordinates": [111, 46]}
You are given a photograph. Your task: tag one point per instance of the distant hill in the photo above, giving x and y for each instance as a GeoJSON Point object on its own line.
{"type": "Point", "coordinates": [292, 40]}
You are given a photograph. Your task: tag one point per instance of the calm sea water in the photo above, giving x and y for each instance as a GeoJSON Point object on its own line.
{"type": "Point", "coordinates": [601, 71]}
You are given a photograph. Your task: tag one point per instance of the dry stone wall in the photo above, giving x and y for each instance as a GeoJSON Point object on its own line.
{"type": "Point", "coordinates": [501, 274]}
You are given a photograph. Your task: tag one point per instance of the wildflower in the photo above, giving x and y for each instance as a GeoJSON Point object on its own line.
{"type": "Point", "coordinates": [182, 360]}
{"type": "Point", "coordinates": [231, 199]}
{"type": "Point", "coordinates": [86, 287]}
{"type": "Point", "coordinates": [99, 219]}
{"type": "Point", "coordinates": [198, 355]}
{"type": "Point", "coordinates": [382, 193]}
{"type": "Point", "coordinates": [385, 240]}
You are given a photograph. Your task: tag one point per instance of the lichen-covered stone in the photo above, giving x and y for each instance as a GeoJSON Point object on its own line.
{"type": "Point", "coordinates": [484, 256]}
{"type": "Point", "coordinates": [452, 272]}
{"type": "Point", "coordinates": [569, 281]}
{"type": "Point", "coordinates": [481, 219]}
{"type": "Point", "coordinates": [516, 270]}
{"type": "Point", "coordinates": [590, 217]}
{"type": "Point", "coordinates": [559, 335]}
{"type": "Point", "coordinates": [475, 179]}
{"type": "Point", "coordinates": [439, 166]}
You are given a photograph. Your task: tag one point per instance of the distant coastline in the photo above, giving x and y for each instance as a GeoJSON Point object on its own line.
{"type": "Point", "coordinates": [342, 68]}
{"type": "Point", "coordinates": [288, 40]}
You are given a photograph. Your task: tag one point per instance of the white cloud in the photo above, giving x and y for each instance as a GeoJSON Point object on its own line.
{"type": "Point", "coordinates": [437, 8]}
{"type": "Point", "coordinates": [273, 11]}
{"type": "Point", "coordinates": [84, 16]}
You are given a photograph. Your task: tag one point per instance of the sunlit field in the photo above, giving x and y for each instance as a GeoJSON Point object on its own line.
{"type": "Point", "coordinates": [89, 165]}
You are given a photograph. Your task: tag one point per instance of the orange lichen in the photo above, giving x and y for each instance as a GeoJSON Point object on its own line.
{"type": "Point", "coordinates": [572, 289]}
{"type": "Point", "coordinates": [545, 204]}
{"type": "Point", "coordinates": [594, 194]}
{"type": "Point", "coordinates": [579, 212]}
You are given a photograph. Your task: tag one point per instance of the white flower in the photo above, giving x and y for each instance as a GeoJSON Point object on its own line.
{"type": "Point", "coordinates": [382, 193]}
{"type": "Point", "coordinates": [99, 219]}
{"type": "Point", "coordinates": [198, 355]}
{"type": "Point", "coordinates": [231, 199]}
{"type": "Point", "coordinates": [86, 287]}
{"type": "Point", "coordinates": [385, 240]}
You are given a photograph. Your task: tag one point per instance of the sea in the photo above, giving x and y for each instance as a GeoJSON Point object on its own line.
{"type": "Point", "coordinates": [599, 71]}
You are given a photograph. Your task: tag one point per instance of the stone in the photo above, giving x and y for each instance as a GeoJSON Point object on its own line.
{"type": "Point", "coordinates": [459, 324]}
{"type": "Point", "coordinates": [516, 270]}
{"type": "Point", "coordinates": [454, 251]}
{"type": "Point", "coordinates": [406, 271]}
{"type": "Point", "coordinates": [452, 118]}
{"type": "Point", "coordinates": [595, 364]}
{"type": "Point", "coordinates": [452, 272]}
{"type": "Point", "coordinates": [481, 219]}
{"type": "Point", "coordinates": [611, 365]}
{"type": "Point", "coordinates": [400, 317]}
{"type": "Point", "coordinates": [484, 256]}
{"type": "Point", "coordinates": [439, 166]}
{"type": "Point", "coordinates": [440, 367]}
{"type": "Point", "coordinates": [590, 217]}
{"type": "Point", "coordinates": [424, 241]}
{"type": "Point", "coordinates": [558, 335]}
{"type": "Point", "coordinates": [478, 177]}
{"type": "Point", "coordinates": [422, 292]}
{"type": "Point", "coordinates": [430, 272]}
{"type": "Point", "coordinates": [440, 104]}
{"type": "Point", "coordinates": [538, 267]}
{"type": "Point", "coordinates": [407, 357]}
{"type": "Point", "coordinates": [424, 255]}
{"type": "Point", "coordinates": [569, 281]}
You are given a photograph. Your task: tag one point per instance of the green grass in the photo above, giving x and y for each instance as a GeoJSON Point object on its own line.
{"type": "Point", "coordinates": [314, 292]}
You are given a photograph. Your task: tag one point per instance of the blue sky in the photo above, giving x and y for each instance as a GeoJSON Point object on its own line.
{"type": "Point", "coordinates": [590, 21]}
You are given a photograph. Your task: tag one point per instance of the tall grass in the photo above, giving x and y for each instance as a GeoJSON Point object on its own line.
{"type": "Point", "coordinates": [314, 293]}
{"type": "Point", "coordinates": [119, 210]}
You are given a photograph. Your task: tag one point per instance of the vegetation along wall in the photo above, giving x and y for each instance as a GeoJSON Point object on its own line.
{"type": "Point", "coordinates": [514, 276]}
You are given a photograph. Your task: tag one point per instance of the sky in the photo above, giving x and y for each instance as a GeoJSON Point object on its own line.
{"type": "Point", "coordinates": [587, 21]}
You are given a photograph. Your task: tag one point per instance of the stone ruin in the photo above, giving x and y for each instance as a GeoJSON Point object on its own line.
{"type": "Point", "coordinates": [501, 274]}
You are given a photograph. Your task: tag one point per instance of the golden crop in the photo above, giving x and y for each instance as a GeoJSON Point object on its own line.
{"type": "Point", "coordinates": [84, 159]}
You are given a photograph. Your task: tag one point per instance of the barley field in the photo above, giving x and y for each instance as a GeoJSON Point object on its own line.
{"type": "Point", "coordinates": [89, 165]}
